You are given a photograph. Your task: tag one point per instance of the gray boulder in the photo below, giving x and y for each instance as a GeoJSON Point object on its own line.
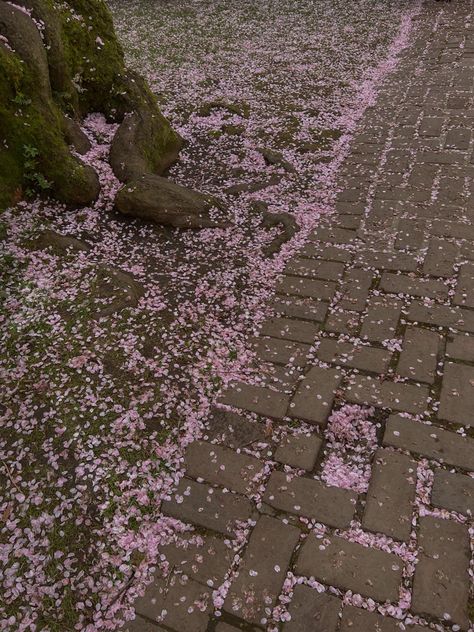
{"type": "Point", "coordinates": [164, 202]}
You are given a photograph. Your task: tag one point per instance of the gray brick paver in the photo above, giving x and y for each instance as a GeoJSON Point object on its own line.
{"type": "Point", "coordinates": [460, 347]}
{"type": "Point", "coordinates": [429, 441]}
{"type": "Point", "coordinates": [290, 329]}
{"type": "Point", "coordinates": [358, 620]}
{"type": "Point", "coordinates": [454, 492]}
{"type": "Point", "coordinates": [361, 357]}
{"type": "Point", "coordinates": [310, 498]}
{"type": "Point", "coordinates": [457, 394]}
{"type": "Point", "coordinates": [413, 286]}
{"type": "Point", "coordinates": [441, 585]}
{"type": "Point", "coordinates": [314, 397]}
{"type": "Point", "coordinates": [180, 602]}
{"type": "Point", "coordinates": [222, 466]}
{"type": "Point", "coordinates": [381, 321]}
{"type": "Point", "coordinates": [300, 451]}
{"type": "Point", "coordinates": [389, 505]}
{"type": "Point", "coordinates": [419, 357]}
{"type": "Point", "coordinates": [310, 610]}
{"type": "Point", "coordinates": [255, 590]}
{"type": "Point", "coordinates": [208, 507]}
{"type": "Point", "coordinates": [257, 399]}
{"type": "Point", "coordinates": [350, 566]}
{"type": "Point", "coordinates": [408, 398]}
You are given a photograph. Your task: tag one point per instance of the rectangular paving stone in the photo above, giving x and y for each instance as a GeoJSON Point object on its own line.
{"type": "Point", "coordinates": [310, 610]}
{"type": "Point", "coordinates": [458, 138]}
{"type": "Point", "coordinates": [290, 329]}
{"type": "Point", "coordinates": [316, 250]}
{"type": "Point", "coordinates": [410, 234]}
{"type": "Point", "coordinates": [341, 322]}
{"type": "Point", "coordinates": [438, 157]}
{"type": "Point", "coordinates": [180, 603]}
{"type": "Point", "coordinates": [464, 296]}
{"type": "Point", "coordinates": [419, 356]}
{"type": "Point", "coordinates": [395, 395]}
{"type": "Point", "coordinates": [440, 258]}
{"type": "Point", "coordinates": [254, 592]}
{"type": "Point", "coordinates": [349, 566]}
{"type": "Point", "coordinates": [441, 583]}
{"type": "Point", "coordinates": [381, 320]}
{"type": "Point", "coordinates": [351, 222]}
{"type": "Point", "coordinates": [207, 507]}
{"type": "Point", "coordinates": [315, 268]}
{"type": "Point", "coordinates": [389, 505]}
{"type": "Point", "coordinates": [280, 378]}
{"type": "Point", "coordinates": [429, 441]}
{"type": "Point", "coordinates": [355, 289]}
{"type": "Point", "coordinates": [206, 560]}
{"type": "Point", "coordinates": [413, 286]}
{"type": "Point", "coordinates": [222, 466]}
{"type": "Point", "coordinates": [358, 620]}
{"type": "Point", "coordinates": [460, 347]}
{"type": "Point", "coordinates": [139, 624]}
{"type": "Point", "coordinates": [398, 261]}
{"type": "Point", "coordinates": [232, 430]}
{"type": "Point", "coordinates": [431, 126]}
{"type": "Point", "coordinates": [456, 230]}
{"type": "Point", "coordinates": [347, 354]}
{"type": "Point", "coordinates": [314, 398]}
{"type": "Point", "coordinates": [310, 498]}
{"type": "Point", "coordinates": [304, 308]}
{"type": "Point", "coordinates": [300, 451]}
{"type": "Point", "coordinates": [334, 235]}
{"type": "Point", "coordinates": [442, 316]}
{"type": "Point", "coordinates": [454, 492]}
{"type": "Point", "coordinates": [281, 351]}
{"type": "Point", "coordinates": [457, 394]}
{"type": "Point", "coordinates": [311, 288]}
{"type": "Point", "coordinates": [256, 399]}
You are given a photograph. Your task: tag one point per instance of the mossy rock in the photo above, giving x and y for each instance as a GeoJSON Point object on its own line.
{"type": "Point", "coordinates": [73, 67]}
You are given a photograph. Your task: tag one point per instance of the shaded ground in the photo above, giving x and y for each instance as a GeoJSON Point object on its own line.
{"type": "Point", "coordinates": [108, 375]}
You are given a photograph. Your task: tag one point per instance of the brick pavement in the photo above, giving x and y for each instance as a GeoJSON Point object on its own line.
{"type": "Point", "coordinates": [376, 310]}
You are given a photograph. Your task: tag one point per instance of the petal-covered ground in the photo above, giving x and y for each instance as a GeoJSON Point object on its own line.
{"type": "Point", "coordinates": [115, 343]}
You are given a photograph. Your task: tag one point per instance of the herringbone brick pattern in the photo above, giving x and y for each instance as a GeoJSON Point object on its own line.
{"type": "Point", "coordinates": [336, 494]}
